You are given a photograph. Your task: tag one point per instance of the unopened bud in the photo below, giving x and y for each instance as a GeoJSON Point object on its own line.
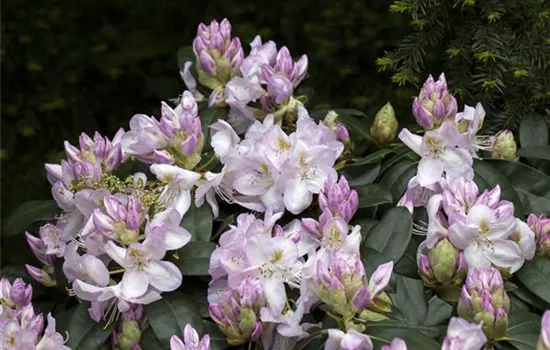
{"type": "Point", "coordinates": [131, 330]}
{"type": "Point", "coordinates": [40, 276]}
{"type": "Point", "coordinates": [505, 146]}
{"type": "Point", "coordinates": [443, 260]}
{"type": "Point", "coordinates": [385, 125]}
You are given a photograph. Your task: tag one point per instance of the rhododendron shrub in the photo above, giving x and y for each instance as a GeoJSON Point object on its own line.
{"type": "Point", "coordinates": [237, 217]}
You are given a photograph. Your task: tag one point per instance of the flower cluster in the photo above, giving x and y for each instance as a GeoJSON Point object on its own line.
{"type": "Point", "coordinates": [20, 327]}
{"type": "Point", "coordinates": [269, 170]}
{"type": "Point", "coordinates": [463, 335]}
{"type": "Point", "coordinates": [254, 86]}
{"type": "Point", "coordinates": [466, 228]}
{"type": "Point", "coordinates": [258, 260]}
{"type": "Point", "coordinates": [112, 226]}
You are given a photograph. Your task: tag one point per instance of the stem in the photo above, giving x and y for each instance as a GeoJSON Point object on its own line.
{"type": "Point", "coordinates": [116, 271]}
{"type": "Point", "coordinates": [202, 167]}
{"type": "Point", "coordinates": [379, 339]}
{"type": "Point", "coordinates": [334, 317]}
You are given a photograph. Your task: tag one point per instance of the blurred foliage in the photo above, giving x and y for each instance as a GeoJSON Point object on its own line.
{"type": "Point", "coordinates": [493, 51]}
{"type": "Point", "coordinates": [71, 67]}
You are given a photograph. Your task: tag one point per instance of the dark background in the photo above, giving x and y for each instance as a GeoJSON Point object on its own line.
{"type": "Point", "coordinates": [71, 67]}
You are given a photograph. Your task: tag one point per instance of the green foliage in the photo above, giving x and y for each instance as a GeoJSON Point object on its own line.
{"type": "Point", "coordinates": [495, 52]}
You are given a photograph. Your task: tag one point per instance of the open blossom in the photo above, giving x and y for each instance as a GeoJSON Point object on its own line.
{"type": "Point", "coordinates": [352, 340]}
{"type": "Point", "coordinates": [485, 240]}
{"type": "Point", "coordinates": [270, 170]}
{"type": "Point", "coordinates": [418, 196]}
{"type": "Point", "coordinates": [144, 267]}
{"type": "Point", "coordinates": [439, 153]}
{"type": "Point", "coordinates": [463, 335]}
{"type": "Point", "coordinates": [190, 341]}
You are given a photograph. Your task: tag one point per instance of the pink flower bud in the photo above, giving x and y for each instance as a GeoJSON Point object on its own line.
{"type": "Point", "coordinates": [39, 249]}
{"type": "Point", "coordinates": [544, 340]}
{"type": "Point", "coordinates": [396, 344]}
{"type": "Point", "coordinates": [40, 276]}
{"type": "Point", "coordinates": [284, 62]}
{"type": "Point", "coordinates": [72, 152]}
{"type": "Point", "coordinates": [361, 299]}
{"type": "Point", "coordinates": [207, 63]}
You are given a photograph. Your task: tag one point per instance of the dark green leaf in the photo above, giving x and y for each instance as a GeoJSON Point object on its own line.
{"type": "Point", "coordinates": [149, 340]}
{"type": "Point", "coordinates": [391, 235]}
{"type": "Point", "coordinates": [361, 175]}
{"type": "Point", "coordinates": [439, 312]}
{"type": "Point", "coordinates": [533, 131]}
{"type": "Point", "coordinates": [373, 194]}
{"type": "Point", "coordinates": [194, 258]}
{"type": "Point", "coordinates": [397, 177]}
{"type": "Point", "coordinates": [414, 339]}
{"type": "Point", "coordinates": [171, 314]}
{"type": "Point", "coordinates": [84, 333]}
{"type": "Point", "coordinates": [198, 221]}
{"type": "Point", "coordinates": [406, 266]}
{"type": "Point", "coordinates": [27, 214]}
{"type": "Point", "coordinates": [530, 298]}
{"type": "Point", "coordinates": [217, 339]}
{"type": "Point", "coordinates": [524, 328]}
{"type": "Point", "coordinates": [535, 275]}
{"type": "Point", "coordinates": [374, 157]}
{"type": "Point", "coordinates": [487, 177]}
{"type": "Point", "coordinates": [409, 299]}
{"type": "Point", "coordinates": [531, 185]}
{"type": "Point", "coordinates": [537, 152]}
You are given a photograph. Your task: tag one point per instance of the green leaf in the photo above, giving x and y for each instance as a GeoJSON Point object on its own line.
{"type": "Point", "coordinates": [194, 258]}
{"type": "Point", "coordinates": [523, 329]}
{"type": "Point", "coordinates": [407, 266]}
{"type": "Point", "coordinates": [361, 175]}
{"type": "Point", "coordinates": [149, 340]}
{"type": "Point", "coordinates": [217, 339]}
{"type": "Point", "coordinates": [391, 235]}
{"type": "Point", "coordinates": [373, 194]}
{"type": "Point", "coordinates": [84, 333]}
{"type": "Point", "coordinates": [530, 298]}
{"type": "Point", "coordinates": [535, 275]}
{"type": "Point", "coordinates": [27, 214]}
{"type": "Point", "coordinates": [531, 185]}
{"type": "Point", "coordinates": [169, 316]}
{"type": "Point", "coordinates": [410, 334]}
{"type": "Point", "coordinates": [374, 157]}
{"type": "Point", "coordinates": [487, 177]}
{"type": "Point", "coordinates": [536, 152]}
{"type": "Point", "coordinates": [439, 312]}
{"type": "Point", "coordinates": [397, 177]}
{"type": "Point", "coordinates": [533, 131]}
{"type": "Point", "coordinates": [409, 299]}
{"type": "Point", "coordinates": [198, 221]}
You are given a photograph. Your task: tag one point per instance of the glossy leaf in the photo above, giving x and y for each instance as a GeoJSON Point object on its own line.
{"type": "Point", "coordinates": [412, 336]}
{"type": "Point", "coordinates": [83, 332]}
{"type": "Point", "coordinates": [27, 214]}
{"type": "Point", "coordinates": [198, 221]}
{"type": "Point", "coordinates": [487, 177]}
{"type": "Point", "coordinates": [391, 235]}
{"type": "Point", "coordinates": [535, 275]}
{"type": "Point", "coordinates": [217, 339]}
{"type": "Point", "coordinates": [361, 175]}
{"type": "Point", "coordinates": [149, 340]}
{"type": "Point", "coordinates": [373, 194]}
{"type": "Point", "coordinates": [169, 316]}
{"type": "Point", "coordinates": [409, 299]}
{"type": "Point", "coordinates": [194, 258]}
{"type": "Point", "coordinates": [439, 312]}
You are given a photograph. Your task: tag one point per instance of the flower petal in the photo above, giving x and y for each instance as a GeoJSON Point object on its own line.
{"type": "Point", "coordinates": [163, 275]}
